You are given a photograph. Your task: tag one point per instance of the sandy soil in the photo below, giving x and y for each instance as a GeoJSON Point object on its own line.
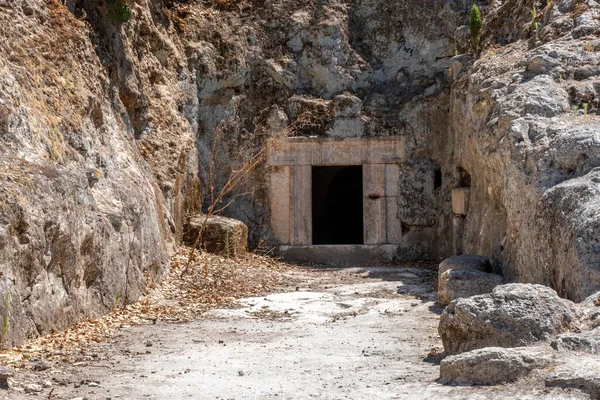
{"type": "Point", "coordinates": [362, 333]}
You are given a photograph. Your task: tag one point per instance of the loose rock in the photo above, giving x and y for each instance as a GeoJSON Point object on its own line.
{"type": "Point", "coordinates": [512, 315]}
{"type": "Point", "coordinates": [466, 261]}
{"type": "Point", "coordinates": [456, 284]}
{"type": "Point", "coordinates": [40, 365]}
{"type": "Point", "coordinates": [33, 388]}
{"type": "Point", "coordinates": [220, 236]}
{"type": "Point", "coordinates": [571, 342]}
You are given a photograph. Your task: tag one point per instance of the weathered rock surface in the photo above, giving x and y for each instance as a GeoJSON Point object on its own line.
{"type": "Point", "coordinates": [492, 365]}
{"type": "Point", "coordinates": [465, 262]}
{"type": "Point", "coordinates": [220, 235]}
{"type": "Point", "coordinates": [365, 69]}
{"type": "Point", "coordinates": [572, 342]}
{"type": "Point", "coordinates": [512, 315]}
{"type": "Point", "coordinates": [578, 373]}
{"type": "Point", "coordinates": [458, 284]}
{"type": "Point", "coordinates": [85, 218]}
{"type": "Point", "coordinates": [525, 129]}
{"type": "Point", "coordinates": [591, 312]}
{"type": "Point", "coordinates": [464, 276]}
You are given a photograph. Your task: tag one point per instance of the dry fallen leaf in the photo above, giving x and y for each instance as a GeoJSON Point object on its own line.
{"type": "Point", "coordinates": [177, 299]}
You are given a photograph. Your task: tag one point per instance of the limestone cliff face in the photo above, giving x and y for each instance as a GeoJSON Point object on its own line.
{"type": "Point", "coordinates": [335, 69]}
{"type": "Point", "coordinates": [106, 132]}
{"type": "Point", "coordinates": [525, 126]}
{"type": "Point", "coordinates": [104, 127]}
{"type": "Point", "coordinates": [88, 205]}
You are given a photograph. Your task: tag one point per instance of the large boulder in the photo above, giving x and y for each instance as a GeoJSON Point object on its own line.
{"type": "Point", "coordinates": [492, 365]}
{"type": "Point", "coordinates": [457, 284]}
{"type": "Point", "coordinates": [512, 315]}
{"type": "Point", "coordinates": [464, 276]}
{"type": "Point", "coordinates": [221, 235]}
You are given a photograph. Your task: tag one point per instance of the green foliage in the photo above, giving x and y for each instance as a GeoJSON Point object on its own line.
{"type": "Point", "coordinates": [534, 22]}
{"type": "Point", "coordinates": [582, 109]}
{"type": "Point", "coordinates": [475, 25]}
{"type": "Point", "coordinates": [118, 11]}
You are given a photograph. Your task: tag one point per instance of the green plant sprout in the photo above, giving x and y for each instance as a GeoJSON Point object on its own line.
{"type": "Point", "coordinates": [475, 25]}
{"type": "Point", "coordinates": [534, 22]}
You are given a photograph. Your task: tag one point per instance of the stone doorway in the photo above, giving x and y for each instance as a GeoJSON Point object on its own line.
{"type": "Point", "coordinates": [299, 166]}
{"type": "Point", "coordinates": [337, 205]}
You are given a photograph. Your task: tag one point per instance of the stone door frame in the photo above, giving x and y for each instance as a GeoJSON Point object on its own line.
{"type": "Point", "coordinates": [290, 162]}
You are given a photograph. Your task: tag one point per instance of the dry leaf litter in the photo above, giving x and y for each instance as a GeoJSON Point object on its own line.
{"type": "Point", "coordinates": [179, 298]}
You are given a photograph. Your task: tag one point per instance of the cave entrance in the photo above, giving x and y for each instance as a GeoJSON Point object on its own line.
{"type": "Point", "coordinates": [337, 205]}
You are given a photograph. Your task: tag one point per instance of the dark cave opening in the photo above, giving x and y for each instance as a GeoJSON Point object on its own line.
{"type": "Point", "coordinates": [337, 205]}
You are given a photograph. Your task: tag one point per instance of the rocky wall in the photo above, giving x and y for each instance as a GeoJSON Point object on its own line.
{"type": "Point", "coordinates": [93, 186]}
{"type": "Point", "coordinates": [525, 126]}
{"type": "Point", "coordinates": [106, 132]}
{"type": "Point", "coordinates": [337, 69]}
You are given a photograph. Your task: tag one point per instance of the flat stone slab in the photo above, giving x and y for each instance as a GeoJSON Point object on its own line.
{"type": "Point", "coordinates": [579, 372]}
{"type": "Point", "coordinates": [466, 261]}
{"type": "Point", "coordinates": [492, 365]}
{"type": "Point", "coordinates": [465, 276]}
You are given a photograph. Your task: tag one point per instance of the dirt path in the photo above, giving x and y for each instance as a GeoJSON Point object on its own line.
{"type": "Point", "coordinates": [349, 334]}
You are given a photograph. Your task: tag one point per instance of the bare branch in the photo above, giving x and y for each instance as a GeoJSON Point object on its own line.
{"type": "Point", "coordinates": [234, 179]}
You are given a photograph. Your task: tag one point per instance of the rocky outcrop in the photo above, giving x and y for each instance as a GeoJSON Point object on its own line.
{"type": "Point", "coordinates": [524, 127]}
{"type": "Point", "coordinates": [512, 315]}
{"type": "Point", "coordinates": [493, 365]}
{"type": "Point", "coordinates": [568, 361]}
{"type": "Point", "coordinates": [340, 70]}
{"type": "Point", "coordinates": [83, 219]}
{"type": "Point", "coordinates": [542, 338]}
{"type": "Point", "coordinates": [220, 235]}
